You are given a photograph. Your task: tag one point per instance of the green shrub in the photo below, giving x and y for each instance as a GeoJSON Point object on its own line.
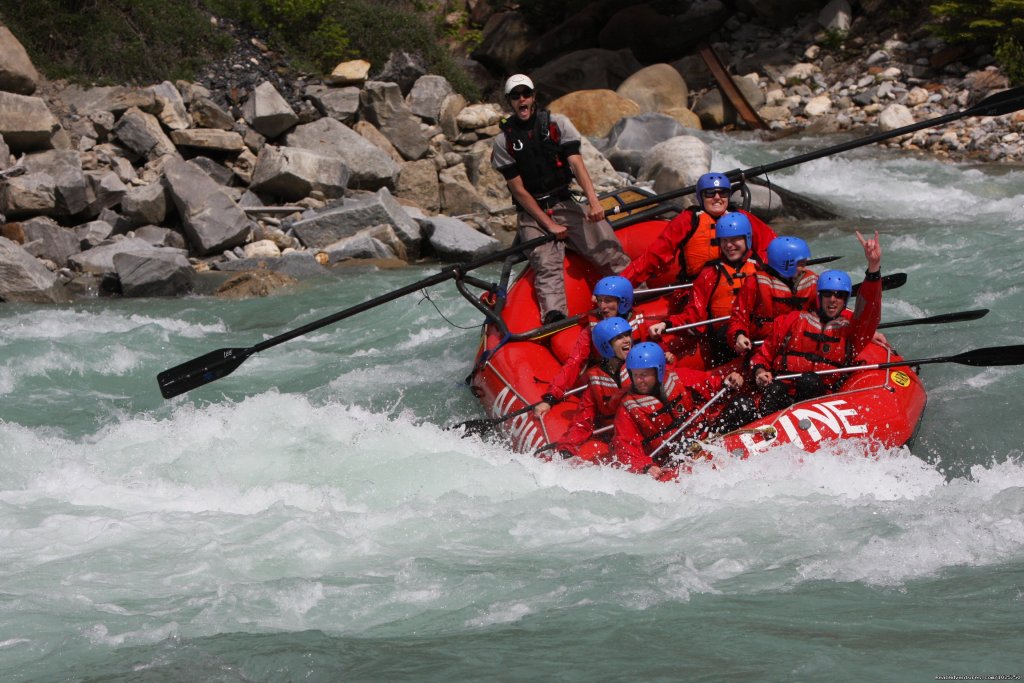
{"type": "Point", "coordinates": [133, 41]}
{"type": "Point", "coordinates": [318, 34]}
{"type": "Point", "coordinates": [994, 25]}
{"type": "Point", "coordinates": [1010, 56]}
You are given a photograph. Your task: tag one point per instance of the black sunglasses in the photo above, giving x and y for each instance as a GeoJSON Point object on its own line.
{"type": "Point", "coordinates": [520, 94]}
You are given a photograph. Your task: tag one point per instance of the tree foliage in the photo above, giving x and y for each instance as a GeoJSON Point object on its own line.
{"type": "Point", "coordinates": [996, 25]}
{"type": "Point", "coordinates": [123, 41]}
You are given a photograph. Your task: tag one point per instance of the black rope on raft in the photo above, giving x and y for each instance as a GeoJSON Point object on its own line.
{"type": "Point", "coordinates": [426, 297]}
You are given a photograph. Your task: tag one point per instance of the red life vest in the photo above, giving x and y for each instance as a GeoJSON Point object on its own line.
{"type": "Point", "coordinates": [656, 418]}
{"type": "Point", "coordinates": [809, 345]}
{"type": "Point", "coordinates": [776, 298]}
{"type": "Point", "coordinates": [606, 392]}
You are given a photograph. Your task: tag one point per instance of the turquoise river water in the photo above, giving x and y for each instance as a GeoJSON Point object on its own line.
{"type": "Point", "coordinates": [308, 518]}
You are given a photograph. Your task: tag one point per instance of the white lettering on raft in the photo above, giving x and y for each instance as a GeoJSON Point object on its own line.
{"type": "Point", "coordinates": [830, 416]}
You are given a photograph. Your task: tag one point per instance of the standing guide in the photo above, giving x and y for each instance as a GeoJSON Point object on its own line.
{"type": "Point", "coordinates": [538, 153]}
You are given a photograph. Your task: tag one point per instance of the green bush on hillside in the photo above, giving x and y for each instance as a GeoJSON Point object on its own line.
{"type": "Point", "coordinates": [321, 33]}
{"type": "Point", "coordinates": [996, 25]}
{"type": "Point", "coordinates": [133, 41]}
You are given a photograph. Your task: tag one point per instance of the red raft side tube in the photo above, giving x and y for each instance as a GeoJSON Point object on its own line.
{"type": "Point", "coordinates": [882, 408]}
{"type": "Point", "coordinates": [518, 374]}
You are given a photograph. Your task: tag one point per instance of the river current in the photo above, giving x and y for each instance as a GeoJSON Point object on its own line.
{"type": "Point", "coordinates": [309, 518]}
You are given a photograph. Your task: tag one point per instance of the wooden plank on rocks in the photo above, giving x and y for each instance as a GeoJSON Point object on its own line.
{"type": "Point", "coordinates": [729, 89]}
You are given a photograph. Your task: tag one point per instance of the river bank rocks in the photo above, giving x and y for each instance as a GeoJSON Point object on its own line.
{"type": "Point", "coordinates": [185, 187]}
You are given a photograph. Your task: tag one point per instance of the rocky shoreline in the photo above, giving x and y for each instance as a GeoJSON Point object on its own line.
{"type": "Point", "coordinates": [260, 180]}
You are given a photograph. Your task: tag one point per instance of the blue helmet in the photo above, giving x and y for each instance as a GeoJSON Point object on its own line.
{"type": "Point", "coordinates": [835, 280]}
{"type": "Point", "coordinates": [710, 181]}
{"type": "Point", "coordinates": [607, 330]}
{"type": "Point", "coordinates": [647, 355]}
{"type": "Point", "coordinates": [734, 224]}
{"type": "Point", "coordinates": [785, 253]}
{"type": "Point", "coordinates": [618, 287]}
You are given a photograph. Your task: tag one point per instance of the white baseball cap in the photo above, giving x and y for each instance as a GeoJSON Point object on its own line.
{"type": "Point", "coordinates": [517, 80]}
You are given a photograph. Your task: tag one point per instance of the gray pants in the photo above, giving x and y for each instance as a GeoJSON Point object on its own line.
{"type": "Point", "coordinates": [596, 242]}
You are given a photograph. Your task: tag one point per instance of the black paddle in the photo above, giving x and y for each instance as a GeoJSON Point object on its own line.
{"type": "Point", "coordinates": [222, 362]}
{"type": "Point", "coordinates": [483, 424]}
{"type": "Point", "coordinates": [1005, 102]}
{"type": "Point", "coordinates": [961, 316]}
{"type": "Point", "coordinates": [986, 357]}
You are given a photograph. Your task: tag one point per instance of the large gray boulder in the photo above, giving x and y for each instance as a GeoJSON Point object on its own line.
{"type": "Point", "coordinates": [293, 173]}
{"type": "Point", "coordinates": [71, 188]}
{"type": "Point", "coordinates": [100, 259]}
{"type": "Point", "coordinates": [170, 106]}
{"type": "Point", "coordinates": [319, 228]}
{"type": "Point", "coordinates": [30, 194]}
{"type": "Point", "coordinates": [427, 95]}
{"type": "Point", "coordinates": [632, 138]}
{"type": "Point", "coordinates": [453, 240]}
{"type": "Point", "coordinates": [17, 73]}
{"type": "Point", "coordinates": [208, 114]}
{"type": "Point", "coordinates": [211, 219]}
{"type": "Point", "coordinates": [45, 239]}
{"type": "Point", "coordinates": [104, 190]}
{"type": "Point", "coordinates": [141, 133]}
{"type": "Point", "coordinates": [145, 204]}
{"type": "Point", "coordinates": [378, 242]}
{"type": "Point", "coordinates": [267, 112]}
{"type": "Point", "coordinates": [382, 105]}
{"type": "Point", "coordinates": [24, 279]}
{"type": "Point", "coordinates": [208, 139]}
{"type": "Point", "coordinates": [340, 104]}
{"type": "Point", "coordinates": [114, 99]}
{"type": "Point", "coordinates": [676, 163]}
{"type": "Point", "coordinates": [458, 196]}
{"type": "Point", "coordinates": [26, 122]}
{"type": "Point", "coordinates": [159, 274]}
{"type": "Point", "coordinates": [369, 166]}
{"type": "Point", "coordinates": [417, 183]}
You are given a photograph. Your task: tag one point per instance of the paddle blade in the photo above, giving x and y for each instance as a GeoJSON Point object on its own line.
{"type": "Point", "coordinates": [199, 371]}
{"type": "Point", "coordinates": [991, 356]}
{"type": "Point", "coordinates": [1005, 102]}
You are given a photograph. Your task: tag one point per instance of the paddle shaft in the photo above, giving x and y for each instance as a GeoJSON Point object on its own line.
{"type": "Point", "coordinates": [1001, 103]}
{"type": "Point", "coordinates": [700, 411]}
{"type": "Point", "coordinates": [222, 362]}
{"type": "Point", "coordinates": [984, 357]}
{"type": "Point", "coordinates": [488, 422]}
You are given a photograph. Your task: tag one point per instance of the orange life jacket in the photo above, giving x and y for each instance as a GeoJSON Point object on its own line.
{"type": "Point", "coordinates": [776, 298]}
{"type": "Point", "coordinates": [727, 286]}
{"type": "Point", "coordinates": [700, 245]}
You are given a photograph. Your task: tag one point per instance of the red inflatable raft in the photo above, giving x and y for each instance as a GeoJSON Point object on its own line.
{"type": "Point", "coordinates": [881, 407]}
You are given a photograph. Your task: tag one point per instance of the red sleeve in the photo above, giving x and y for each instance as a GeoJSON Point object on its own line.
{"type": "Point", "coordinates": [762, 236]}
{"type": "Point", "coordinates": [582, 427]}
{"type": "Point", "coordinates": [866, 315]}
{"type": "Point", "coordinates": [697, 308]}
{"type": "Point", "coordinates": [661, 252]}
{"type": "Point", "coordinates": [742, 306]}
{"type": "Point", "coordinates": [627, 444]}
{"type": "Point", "coordinates": [700, 384]}
{"type": "Point", "coordinates": [566, 378]}
{"type": "Point", "coordinates": [765, 354]}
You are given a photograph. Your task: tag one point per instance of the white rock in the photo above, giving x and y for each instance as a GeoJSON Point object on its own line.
{"type": "Point", "coordinates": [819, 105]}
